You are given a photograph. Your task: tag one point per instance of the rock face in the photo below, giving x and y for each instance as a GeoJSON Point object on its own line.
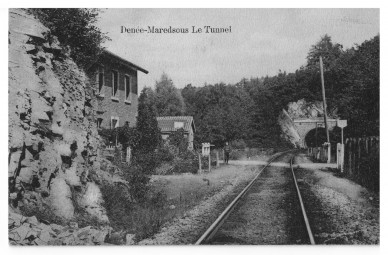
{"type": "Point", "coordinates": [53, 139]}
{"type": "Point", "coordinates": [308, 110]}
{"type": "Point", "coordinates": [289, 131]}
{"type": "Point", "coordinates": [29, 231]}
{"type": "Point", "coordinates": [299, 110]}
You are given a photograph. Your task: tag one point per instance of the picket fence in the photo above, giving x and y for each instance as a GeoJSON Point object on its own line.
{"type": "Point", "coordinates": [359, 150]}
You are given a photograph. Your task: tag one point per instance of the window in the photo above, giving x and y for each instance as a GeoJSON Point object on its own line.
{"type": "Point", "coordinates": [178, 125]}
{"type": "Point", "coordinates": [99, 122]}
{"type": "Point", "coordinates": [114, 122]}
{"type": "Point", "coordinates": [115, 83]}
{"type": "Point", "coordinates": [100, 79]}
{"type": "Point", "coordinates": [127, 81]}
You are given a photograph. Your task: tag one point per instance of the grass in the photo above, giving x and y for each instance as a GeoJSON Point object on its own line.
{"type": "Point", "coordinates": [187, 190]}
{"type": "Point", "coordinates": [169, 197]}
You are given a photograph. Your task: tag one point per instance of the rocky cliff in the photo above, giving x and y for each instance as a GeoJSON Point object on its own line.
{"type": "Point", "coordinates": [53, 139]}
{"type": "Point", "coordinates": [299, 110]}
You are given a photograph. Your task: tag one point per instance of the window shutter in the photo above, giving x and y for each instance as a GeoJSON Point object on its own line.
{"type": "Point", "coordinates": [134, 85]}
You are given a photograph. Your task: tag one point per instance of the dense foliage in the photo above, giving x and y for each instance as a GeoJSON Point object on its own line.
{"type": "Point", "coordinates": [249, 109]}
{"type": "Point", "coordinates": [76, 28]}
{"type": "Point", "coordinates": [147, 125]}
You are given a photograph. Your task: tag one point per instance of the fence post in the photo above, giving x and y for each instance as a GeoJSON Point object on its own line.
{"type": "Point", "coordinates": [210, 163]}
{"type": "Point", "coordinates": [354, 148]}
{"type": "Point", "coordinates": [217, 158]}
{"type": "Point", "coordinates": [340, 156]}
{"type": "Point", "coordinates": [200, 163]}
{"type": "Point", "coordinates": [329, 153]}
{"type": "Point", "coordinates": [358, 157]}
{"type": "Point", "coordinates": [350, 165]}
{"type": "Point", "coordinates": [338, 151]}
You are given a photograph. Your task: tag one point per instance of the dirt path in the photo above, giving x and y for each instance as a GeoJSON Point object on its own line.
{"type": "Point", "coordinates": [340, 211]}
{"type": "Point", "coordinates": [268, 214]}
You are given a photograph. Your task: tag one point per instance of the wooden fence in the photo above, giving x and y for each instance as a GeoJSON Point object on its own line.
{"type": "Point", "coordinates": [362, 160]}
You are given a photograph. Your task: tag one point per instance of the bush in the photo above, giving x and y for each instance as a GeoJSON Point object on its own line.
{"type": "Point", "coordinates": [141, 217]}
{"type": "Point", "coordinates": [165, 154]}
{"type": "Point", "coordinates": [369, 173]}
{"type": "Point", "coordinates": [186, 162]}
{"type": "Point", "coordinates": [239, 144]}
{"type": "Point", "coordinates": [77, 29]}
{"type": "Point", "coordinates": [117, 202]}
{"type": "Point", "coordinates": [237, 154]}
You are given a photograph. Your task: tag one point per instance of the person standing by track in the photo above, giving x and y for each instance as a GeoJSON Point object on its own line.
{"type": "Point", "coordinates": [227, 151]}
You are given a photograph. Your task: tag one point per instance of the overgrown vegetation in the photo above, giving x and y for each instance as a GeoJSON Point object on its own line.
{"type": "Point", "coordinates": [75, 28]}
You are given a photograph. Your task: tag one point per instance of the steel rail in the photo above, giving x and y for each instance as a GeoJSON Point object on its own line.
{"type": "Point", "coordinates": [209, 233]}
{"type": "Point", "coordinates": [306, 220]}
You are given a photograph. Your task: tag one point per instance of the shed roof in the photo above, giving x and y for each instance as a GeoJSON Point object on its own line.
{"type": "Point", "coordinates": [166, 123]}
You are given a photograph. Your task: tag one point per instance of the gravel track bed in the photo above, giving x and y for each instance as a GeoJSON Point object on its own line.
{"type": "Point", "coordinates": [268, 214]}
{"type": "Point", "coordinates": [339, 211]}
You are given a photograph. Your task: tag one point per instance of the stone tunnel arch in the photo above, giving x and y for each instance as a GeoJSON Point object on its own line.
{"type": "Point", "coordinates": [317, 137]}
{"type": "Point", "coordinates": [305, 126]}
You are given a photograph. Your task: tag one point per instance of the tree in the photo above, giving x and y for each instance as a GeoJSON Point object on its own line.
{"type": "Point", "coordinates": [77, 29]}
{"type": "Point", "coordinates": [147, 125]}
{"type": "Point", "coordinates": [359, 97]}
{"type": "Point", "coordinates": [178, 140]}
{"type": "Point", "coordinates": [221, 112]}
{"type": "Point", "coordinates": [168, 99]}
{"type": "Point", "coordinates": [327, 50]}
{"type": "Point", "coordinates": [189, 98]}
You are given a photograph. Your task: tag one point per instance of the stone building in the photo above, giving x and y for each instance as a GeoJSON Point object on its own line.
{"type": "Point", "coordinates": [170, 124]}
{"type": "Point", "coordinates": [116, 82]}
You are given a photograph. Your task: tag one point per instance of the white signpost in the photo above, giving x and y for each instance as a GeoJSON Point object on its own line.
{"type": "Point", "coordinates": [341, 148]}
{"type": "Point", "coordinates": [205, 149]}
{"type": "Point", "coordinates": [206, 152]}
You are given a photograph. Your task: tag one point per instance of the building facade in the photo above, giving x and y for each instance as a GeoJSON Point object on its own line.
{"type": "Point", "coordinates": [116, 83]}
{"type": "Point", "coordinates": [170, 124]}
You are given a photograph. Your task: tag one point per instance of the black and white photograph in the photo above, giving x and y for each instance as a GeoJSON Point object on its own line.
{"type": "Point", "coordinates": [193, 126]}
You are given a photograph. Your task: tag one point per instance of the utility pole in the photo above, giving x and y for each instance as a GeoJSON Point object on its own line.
{"type": "Point", "coordinates": [324, 100]}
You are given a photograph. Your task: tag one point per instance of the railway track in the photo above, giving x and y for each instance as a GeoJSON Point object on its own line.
{"type": "Point", "coordinates": [269, 210]}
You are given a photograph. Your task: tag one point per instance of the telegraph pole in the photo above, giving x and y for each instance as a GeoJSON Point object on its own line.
{"type": "Point", "coordinates": [324, 100]}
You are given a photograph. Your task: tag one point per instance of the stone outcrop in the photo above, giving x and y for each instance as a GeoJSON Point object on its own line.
{"type": "Point", "coordinates": [53, 141]}
{"type": "Point", "coordinates": [303, 110]}
{"type": "Point", "coordinates": [299, 110]}
{"type": "Point", "coordinates": [289, 131]}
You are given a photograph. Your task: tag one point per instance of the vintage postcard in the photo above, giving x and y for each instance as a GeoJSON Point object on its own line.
{"type": "Point", "coordinates": [193, 127]}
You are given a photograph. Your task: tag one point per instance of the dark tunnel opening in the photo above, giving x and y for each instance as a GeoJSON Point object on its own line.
{"type": "Point", "coordinates": [317, 136]}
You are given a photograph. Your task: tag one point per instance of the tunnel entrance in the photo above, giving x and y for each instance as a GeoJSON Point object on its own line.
{"type": "Point", "coordinates": [317, 136]}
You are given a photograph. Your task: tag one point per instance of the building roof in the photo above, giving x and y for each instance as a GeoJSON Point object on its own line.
{"type": "Point", "coordinates": [166, 123]}
{"type": "Point", "coordinates": [124, 61]}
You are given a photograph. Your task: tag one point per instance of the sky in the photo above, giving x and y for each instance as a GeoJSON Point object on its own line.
{"type": "Point", "coordinates": [261, 41]}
